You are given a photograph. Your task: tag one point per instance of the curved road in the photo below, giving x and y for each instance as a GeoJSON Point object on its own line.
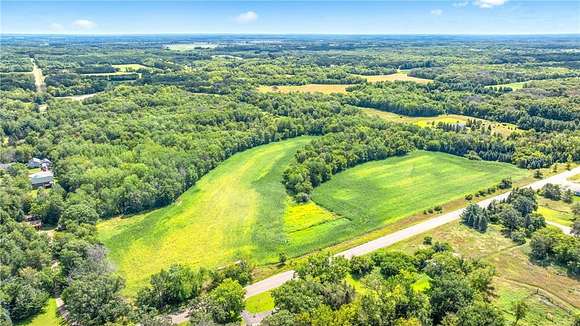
{"type": "Point", "coordinates": [277, 280]}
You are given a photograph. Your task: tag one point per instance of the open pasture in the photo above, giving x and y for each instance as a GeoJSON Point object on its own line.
{"type": "Point", "coordinates": [308, 88]}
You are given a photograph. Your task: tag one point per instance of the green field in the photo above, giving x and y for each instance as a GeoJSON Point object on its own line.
{"type": "Point", "coordinates": [235, 211]}
{"type": "Point", "coordinates": [241, 210]}
{"type": "Point", "coordinates": [377, 193]}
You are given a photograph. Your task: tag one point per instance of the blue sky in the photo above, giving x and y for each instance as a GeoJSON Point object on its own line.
{"type": "Point", "coordinates": [291, 17]}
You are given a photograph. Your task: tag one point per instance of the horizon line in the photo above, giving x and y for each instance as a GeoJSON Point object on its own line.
{"type": "Point", "coordinates": [286, 34]}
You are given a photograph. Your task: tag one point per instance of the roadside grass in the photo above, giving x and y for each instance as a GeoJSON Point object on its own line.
{"type": "Point", "coordinates": [575, 178]}
{"type": "Point", "coordinates": [260, 303]}
{"type": "Point", "coordinates": [504, 129]}
{"type": "Point", "coordinates": [516, 277]}
{"type": "Point", "coordinates": [400, 75]}
{"type": "Point", "coordinates": [235, 211]}
{"type": "Point", "coordinates": [557, 211]}
{"type": "Point", "coordinates": [47, 317]}
{"type": "Point", "coordinates": [308, 88]}
{"type": "Point", "coordinates": [375, 194]}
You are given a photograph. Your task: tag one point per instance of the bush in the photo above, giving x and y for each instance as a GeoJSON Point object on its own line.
{"type": "Point", "coordinates": [519, 236]}
{"type": "Point", "coordinates": [468, 197]}
{"type": "Point", "coordinates": [171, 287]}
{"type": "Point", "coordinates": [227, 301]}
{"type": "Point", "coordinates": [360, 266]}
{"type": "Point", "coordinates": [428, 240]}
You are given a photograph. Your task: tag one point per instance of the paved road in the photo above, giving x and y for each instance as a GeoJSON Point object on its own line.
{"type": "Point", "coordinates": [390, 239]}
{"type": "Point", "coordinates": [565, 229]}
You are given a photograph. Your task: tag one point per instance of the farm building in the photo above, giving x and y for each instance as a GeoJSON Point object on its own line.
{"type": "Point", "coordinates": [42, 179]}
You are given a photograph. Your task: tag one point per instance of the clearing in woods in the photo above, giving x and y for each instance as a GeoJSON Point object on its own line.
{"type": "Point", "coordinates": [400, 75]}
{"type": "Point", "coordinates": [38, 77]}
{"type": "Point", "coordinates": [504, 129]}
{"type": "Point", "coordinates": [241, 210]}
{"type": "Point", "coordinates": [551, 294]}
{"type": "Point", "coordinates": [308, 88]}
{"type": "Point", "coordinates": [237, 210]}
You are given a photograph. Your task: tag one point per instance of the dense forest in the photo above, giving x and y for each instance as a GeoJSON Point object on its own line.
{"type": "Point", "coordinates": [156, 120]}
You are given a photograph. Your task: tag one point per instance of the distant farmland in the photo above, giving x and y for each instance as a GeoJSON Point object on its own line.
{"type": "Point", "coordinates": [398, 76]}
{"type": "Point", "coordinates": [503, 128]}
{"type": "Point", "coordinates": [308, 88]}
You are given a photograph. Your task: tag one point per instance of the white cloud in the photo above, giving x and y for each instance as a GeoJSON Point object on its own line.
{"type": "Point", "coordinates": [84, 24]}
{"type": "Point", "coordinates": [247, 17]}
{"type": "Point", "coordinates": [489, 3]}
{"type": "Point", "coordinates": [436, 12]}
{"type": "Point", "coordinates": [460, 4]}
{"type": "Point", "coordinates": [56, 27]}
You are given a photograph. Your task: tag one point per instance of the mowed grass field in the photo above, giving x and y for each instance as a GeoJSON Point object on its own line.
{"type": "Point", "coordinates": [308, 88]}
{"type": "Point", "coordinates": [551, 294]}
{"type": "Point", "coordinates": [375, 194]}
{"type": "Point", "coordinates": [502, 128]}
{"type": "Point", "coordinates": [235, 211]}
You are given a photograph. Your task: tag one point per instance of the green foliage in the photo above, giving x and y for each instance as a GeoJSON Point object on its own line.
{"type": "Point", "coordinates": [94, 299]}
{"type": "Point", "coordinates": [27, 280]}
{"type": "Point", "coordinates": [171, 287]}
{"type": "Point", "coordinates": [227, 301]}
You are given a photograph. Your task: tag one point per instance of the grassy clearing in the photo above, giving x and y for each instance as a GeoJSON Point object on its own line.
{"type": "Point", "coordinates": [547, 288]}
{"type": "Point", "coordinates": [48, 317]}
{"type": "Point", "coordinates": [130, 67]}
{"type": "Point", "coordinates": [260, 303]}
{"type": "Point", "coordinates": [378, 193]}
{"type": "Point", "coordinates": [503, 128]}
{"type": "Point", "coordinates": [235, 211]}
{"type": "Point", "coordinates": [308, 88]}
{"type": "Point", "coordinates": [557, 211]}
{"type": "Point", "coordinates": [514, 86]}
{"type": "Point", "coordinates": [398, 76]}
